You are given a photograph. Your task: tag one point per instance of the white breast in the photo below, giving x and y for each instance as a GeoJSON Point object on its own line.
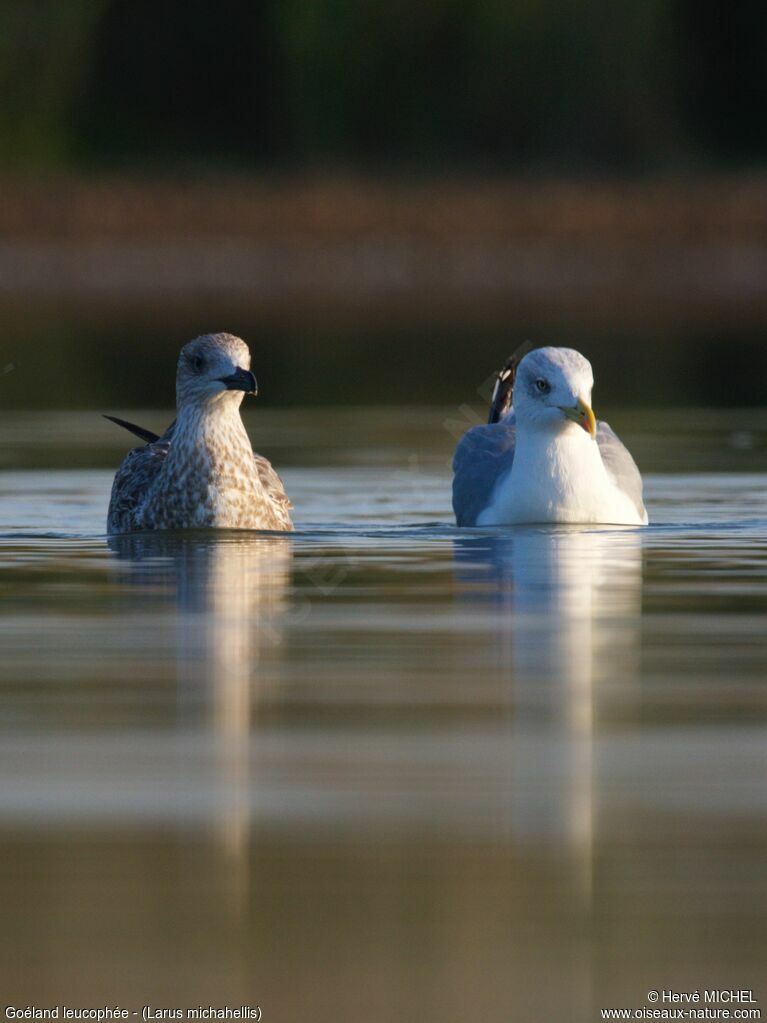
{"type": "Point", "coordinates": [557, 478]}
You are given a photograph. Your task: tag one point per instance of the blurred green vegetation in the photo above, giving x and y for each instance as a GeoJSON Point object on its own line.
{"type": "Point", "coordinates": [45, 49]}
{"type": "Point", "coordinates": [529, 86]}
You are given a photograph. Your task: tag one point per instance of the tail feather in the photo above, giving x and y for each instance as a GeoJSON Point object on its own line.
{"type": "Point", "coordinates": [500, 403]}
{"type": "Point", "coordinates": [139, 431]}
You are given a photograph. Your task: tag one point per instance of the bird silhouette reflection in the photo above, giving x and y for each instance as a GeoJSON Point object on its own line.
{"type": "Point", "coordinates": [228, 594]}
{"type": "Point", "coordinates": [567, 644]}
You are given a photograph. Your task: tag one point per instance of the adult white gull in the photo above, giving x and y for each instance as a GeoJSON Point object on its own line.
{"type": "Point", "coordinates": [202, 472]}
{"type": "Point", "coordinates": [546, 459]}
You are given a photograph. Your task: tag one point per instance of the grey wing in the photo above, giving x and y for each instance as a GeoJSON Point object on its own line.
{"type": "Point", "coordinates": [132, 480]}
{"type": "Point", "coordinates": [620, 466]}
{"type": "Point", "coordinates": [279, 501]}
{"type": "Point", "coordinates": [483, 455]}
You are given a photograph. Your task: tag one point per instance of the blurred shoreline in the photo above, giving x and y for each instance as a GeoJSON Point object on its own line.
{"type": "Point", "coordinates": [439, 247]}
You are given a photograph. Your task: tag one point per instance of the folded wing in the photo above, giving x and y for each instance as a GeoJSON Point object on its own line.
{"type": "Point", "coordinates": [621, 467]}
{"type": "Point", "coordinates": [138, 471]}
{"type": "Point", "coordinates": [275, 491]}
{"type": "Point", "coordinates": [483, 455]}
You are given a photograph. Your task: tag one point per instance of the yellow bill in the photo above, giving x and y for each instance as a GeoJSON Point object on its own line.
{"type": "Point", "coordinates": [583, 415]}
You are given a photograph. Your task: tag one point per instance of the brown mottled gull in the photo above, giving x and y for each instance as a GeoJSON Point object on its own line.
{"type": "Point", "coordinates": [202, 472]}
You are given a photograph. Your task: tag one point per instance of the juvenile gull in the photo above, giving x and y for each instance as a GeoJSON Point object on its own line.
{"type": "Point", "coordinates": [202, 472]}
{"type": "Point", "coordinates": [547, 459]}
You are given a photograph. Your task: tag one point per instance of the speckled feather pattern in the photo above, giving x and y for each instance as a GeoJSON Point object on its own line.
{"type": "Point", "coordinates": [201, 473]}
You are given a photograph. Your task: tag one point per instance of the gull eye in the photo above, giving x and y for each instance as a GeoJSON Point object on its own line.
{"type": "Point", "coordinates": [198, 363]}
{"type": "Point", "coordinates": [543, 385]}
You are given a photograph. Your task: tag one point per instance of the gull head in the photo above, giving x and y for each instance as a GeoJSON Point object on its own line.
{"type": "Point", "coordinates": [214, 368]}
{"type": "Point", "coordinates": [552, 390]}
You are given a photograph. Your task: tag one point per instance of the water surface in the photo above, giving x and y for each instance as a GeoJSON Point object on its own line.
{"type": "Point", "coordinates": [383, 767]}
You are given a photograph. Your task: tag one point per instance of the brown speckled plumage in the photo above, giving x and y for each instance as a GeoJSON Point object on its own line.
{"type": "Point", "coordinates": [202, 472]}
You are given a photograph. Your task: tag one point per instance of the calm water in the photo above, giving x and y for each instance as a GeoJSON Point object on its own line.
{"type": "Point", "coordinates": [383, 768]}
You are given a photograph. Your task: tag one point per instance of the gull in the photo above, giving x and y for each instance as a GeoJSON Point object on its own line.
{"type": "Point", "coordinates": [543, 457]}
{"type": "Point", "coordinates": [202, 472]}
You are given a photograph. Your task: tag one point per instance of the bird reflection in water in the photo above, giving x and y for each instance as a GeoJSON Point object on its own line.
{"type": "Point", "coordinates": [568, 640]}
{"type": "Point", "coordinates": [229, 593]}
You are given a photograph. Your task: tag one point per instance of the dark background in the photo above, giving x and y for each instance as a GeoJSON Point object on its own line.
{"type": "Point", "coordinates": [295, 136]}
{"type": "Point", "coordinates": [529, 86]}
